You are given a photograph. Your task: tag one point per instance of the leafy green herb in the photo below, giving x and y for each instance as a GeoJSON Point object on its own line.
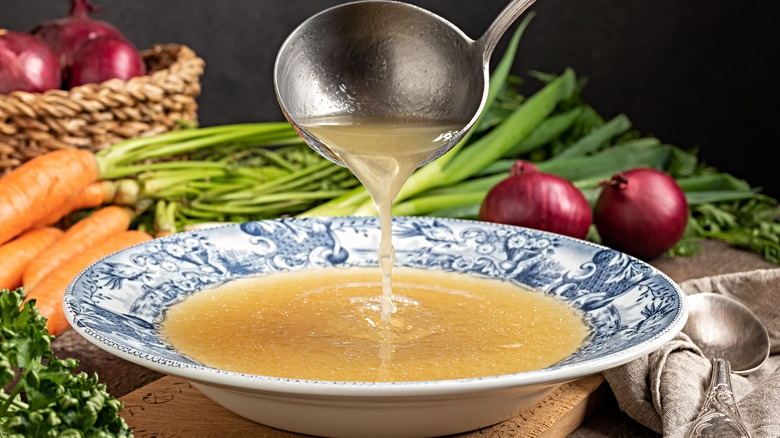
{"type": "Point", "coordinates": [48, 398]}
{"type": "Point", "coordinates": [751, 224]}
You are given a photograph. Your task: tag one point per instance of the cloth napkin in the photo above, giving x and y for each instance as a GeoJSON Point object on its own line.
{"type": "Point", "coordinates": [665, 390]}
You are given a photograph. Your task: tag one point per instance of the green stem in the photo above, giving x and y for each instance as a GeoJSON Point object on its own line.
{"type": "Point", "coordinates": [278, 160]}
{"type": "Point", "coordinates": [469, 211]}
{"type": "Point", "coordinates": [481, 184]}
{"type": "Point", "coordinates": [516, 127]}
{"type": "Point", "coordinates": [426, 204]}
{"type": "Point", "coordinates": [266, 199]}
{"type": "Point", "coordinates": [343, 205]}
{"type": "Point", "coordinates": [168, 165]}
{"type": "Point", "coordinates": [499, 166]}
{"type": "Point", "coordinates": [319, 171]}
{"type": "Point", "coordinates": [716, 181]}
{"type": "Point", "coordinates": [615, 159]}
{"type": "Point", "coordinates": [117, 160]}
{"type": "Point", "coordinates": [118, 150]}
{"type": "Point", "coordinates": [547, 131]}
{"type": "Point", "coordinates": [714, 196]}
{"type": "Point", "coordinates": [12, 400]}
{"type": "Point", "coordinates": [154, 184]}
{"type": "Point", "coordinates": [165, 218]}
{"type": "Point", "coordinates": [596, 138]}
{"type": "Point", "coordinates": [271, 206]}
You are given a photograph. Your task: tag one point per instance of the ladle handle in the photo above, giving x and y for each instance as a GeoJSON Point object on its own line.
{"type": "Point", "coordinates": [500, 24]}
{"type": "Point", "coordinates": [719, 415]}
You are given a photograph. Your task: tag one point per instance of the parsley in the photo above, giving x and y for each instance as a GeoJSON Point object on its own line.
{"type": "Point", "coordinates": [48, 398]}
{"type": "Point", "coordinates": [752, 224]}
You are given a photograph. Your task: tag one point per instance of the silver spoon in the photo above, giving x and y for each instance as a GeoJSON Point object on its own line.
{"type": "Point", "coordinates": [735, 340]}
{"type": "Point", "coordinates": [386, 59]}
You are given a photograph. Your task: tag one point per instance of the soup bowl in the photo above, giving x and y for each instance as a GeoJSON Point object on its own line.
{"type": "Point", "coordinates": [630, 308]}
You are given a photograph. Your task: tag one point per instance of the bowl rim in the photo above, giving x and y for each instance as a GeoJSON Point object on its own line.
{"type": "Point", "coordinates": [255, 383]}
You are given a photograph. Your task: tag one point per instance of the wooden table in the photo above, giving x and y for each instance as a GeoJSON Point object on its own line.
{"type": "Point", "coordinates": [123, 378]}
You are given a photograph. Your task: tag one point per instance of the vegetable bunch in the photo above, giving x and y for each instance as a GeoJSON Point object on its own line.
{"type": "Point", "coordinates": [47, 398]}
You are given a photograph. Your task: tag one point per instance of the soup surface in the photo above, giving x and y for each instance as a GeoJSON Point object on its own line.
{"type": "Point", "coordinates": [326, 325]}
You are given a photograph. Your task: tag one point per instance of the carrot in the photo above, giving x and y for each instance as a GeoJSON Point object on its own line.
{"type": "Point", "coordinates": [17, 254]}
{"type": "Point", "coordinates": [48, 294]}
{"type": "Point", "coordinates": [94, 195]}
{"type": "Point", "coordinates": [119, 192]}
{"type": "Point", "coordinates": [41, 185]}
{"type": "Point", "coordinates": [84, 234]}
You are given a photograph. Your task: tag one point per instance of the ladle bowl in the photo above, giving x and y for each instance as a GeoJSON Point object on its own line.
{"type": "Point", "coordinates": [386, 59]}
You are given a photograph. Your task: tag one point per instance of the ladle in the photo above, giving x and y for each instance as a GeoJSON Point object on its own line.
{"type": "Point", "coordinates": [734, 339]}
{"type": "Point", "coordinates": [386, 59]}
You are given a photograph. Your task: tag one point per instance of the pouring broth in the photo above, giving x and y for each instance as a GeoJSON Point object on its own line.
{"type": "Point", "coordinates": [325, 325]}
{"type": "Point", "coordinates": [382, 152]}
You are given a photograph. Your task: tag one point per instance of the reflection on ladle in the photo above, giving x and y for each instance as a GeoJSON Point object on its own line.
{"type": "Point", "coordinates": [383, 88]}
{"type": "Point", "coordinates": [386, 59]}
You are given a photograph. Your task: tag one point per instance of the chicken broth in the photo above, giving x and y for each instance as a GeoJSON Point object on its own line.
{"type": "Point", "coordinates": [326, 325]}
{"type": "Point", "coordinates": [382, 152]}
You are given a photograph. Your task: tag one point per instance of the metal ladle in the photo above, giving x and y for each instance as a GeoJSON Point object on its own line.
{"type": "Point", "coordinates": [734, 339]}
{"type": "Point", "coordinates": [386, 59]}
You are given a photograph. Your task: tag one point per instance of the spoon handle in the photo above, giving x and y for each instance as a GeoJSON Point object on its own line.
{"type": "Point", "coordinates": [500, 24]}
{"type": "Point", "coordinates": [719, 416]}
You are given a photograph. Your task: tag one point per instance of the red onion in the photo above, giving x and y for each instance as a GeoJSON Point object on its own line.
{"type": "Point", "coordinates": [26, 64]}
{"type": "Point", "coordinates": [104, 58]}
{"type": "Point", "coordinates": [642, 212]}
{"type": "Point", "coordinates": [66, 35]}
{"type": "Point", "coordinates": [533, 199]}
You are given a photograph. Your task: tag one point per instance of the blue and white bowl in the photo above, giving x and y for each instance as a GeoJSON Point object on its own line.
{"type": "Point", "coordinates": [631, 308]}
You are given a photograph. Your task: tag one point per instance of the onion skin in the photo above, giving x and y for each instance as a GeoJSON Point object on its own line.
{"type": "Point", "coordinates": [542, 201]}
{"type": "Point", "coordinates": [27, 64]}
{"type": "Point", "coordinates": [104, 58]}
{"type": "Point", "coordinates": [642, 212]}
{"type": "Point", "coordinates": [66, 35]}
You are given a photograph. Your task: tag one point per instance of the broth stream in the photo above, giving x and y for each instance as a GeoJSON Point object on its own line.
{"type": "Point", "coordinates": [382, 153]}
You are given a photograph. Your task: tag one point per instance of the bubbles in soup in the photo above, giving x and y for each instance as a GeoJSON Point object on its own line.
{"type": "Point", "coordinates": [326, 325]}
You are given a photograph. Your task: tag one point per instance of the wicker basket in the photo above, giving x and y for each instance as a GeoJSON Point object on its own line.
{"type": "Point", "coordinates": [94, 116]}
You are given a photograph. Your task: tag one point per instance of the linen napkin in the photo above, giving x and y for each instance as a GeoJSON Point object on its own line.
{"type": "Point", "coordinates": [665, 390]}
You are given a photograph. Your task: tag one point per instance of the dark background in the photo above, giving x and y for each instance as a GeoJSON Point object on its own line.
{"type": "Point", "coordinates": [697, 74]}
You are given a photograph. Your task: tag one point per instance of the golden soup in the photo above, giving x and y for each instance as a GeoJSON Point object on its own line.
{"type": "Point", "coordinates": [326, 325]}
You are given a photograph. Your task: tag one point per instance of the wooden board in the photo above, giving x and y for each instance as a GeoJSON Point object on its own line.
{"type": "Point", "coordinates": [171, 408]}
